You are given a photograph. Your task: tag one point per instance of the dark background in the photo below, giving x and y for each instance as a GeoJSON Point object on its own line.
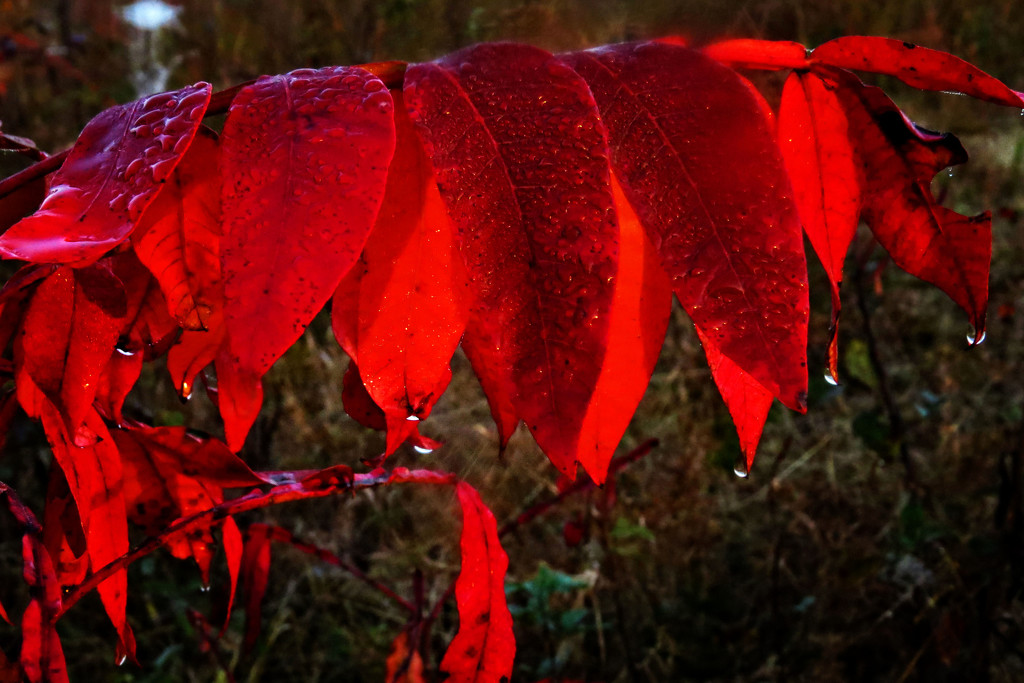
{"type": "Point", "coordinates": [879, 537]}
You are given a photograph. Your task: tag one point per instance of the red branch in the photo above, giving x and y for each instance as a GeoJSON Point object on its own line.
{"type": "Point", "coordinates": [316, 486]}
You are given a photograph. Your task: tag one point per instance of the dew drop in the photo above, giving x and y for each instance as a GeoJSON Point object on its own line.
{"type": "Point", "coordinates": [423, 451]}
{"type": "Point", "coordinates": [973, 339]}
{"type": "Point", "coordinates": [830, 379]}
{"type": "Point", "coordinates": [412, 418]}
{"type": "Point", "coordinates": [205, 588]}
{"type": "Point", "coordinates": [740, 468]}
{"type": "Point", "coordinates": [122, 660]}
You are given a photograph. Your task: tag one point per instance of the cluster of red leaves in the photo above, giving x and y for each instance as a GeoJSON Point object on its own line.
{"type": "Point", "coordinates": [540, 210]}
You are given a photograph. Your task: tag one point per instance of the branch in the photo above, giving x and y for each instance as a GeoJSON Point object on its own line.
{"type": "Point", "coordinates": [328, 482]}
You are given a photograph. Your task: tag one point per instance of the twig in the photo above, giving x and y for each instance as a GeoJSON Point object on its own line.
{"type": "Point", "coordinates": [897, 427]}
{"type": "Point", "coordinates": [320, 487]}
{"type": "Point", "coordinates": [282, 535]}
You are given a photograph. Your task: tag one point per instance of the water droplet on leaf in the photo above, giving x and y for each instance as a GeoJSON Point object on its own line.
{"type": "Point", "coordinates": [423, 451]}
{"type": "Point", "coordinates": [972, 337]}
{"type": "Point", "coordinates": [740, 468]}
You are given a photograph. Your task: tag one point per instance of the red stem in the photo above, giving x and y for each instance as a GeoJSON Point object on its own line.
{"type": "Point", "coordinates": [256, 499]}
{"type": "Point", "coordinates": [282, 535]}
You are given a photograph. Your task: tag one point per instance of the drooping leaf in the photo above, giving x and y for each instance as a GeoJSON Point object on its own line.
{"type": "Point", "coordinates": [111, 175]}
{"type": "Point", "coordinates": [360, 406]}
{"type": "Point", "coordinates": [699, 162]}
{"type": "Point", "coordinates": [170, 474]}
{"type": "Point", "coordinates": [306, 157]}
{"type": "Point", "coordinates": [234, 547]}
{"type": "Point", "coordinates": [401, 310]}
{"type": "Point", "coordinates": [178, 237]}
{"type": "Point", "coordinates": [917, 66]}
{"type": "Point", "coordinates": [68, 333]}
{"type": "Point", "coordinates": [637, 323]}
{"type": "Point", "coordinates": [527, 188]}
{"type": "Point", "coordinates": [814, 137]}
{"type": "Point", "coordinates": [63, 533]}
{"type": "Point", "coordinates": [484, 647]}
{"type": "Point", "coordinates": [898, 161]}
{"type": "Point", "coordinates": [94, 477]}
{"type": "Point", "coordinates": [747, 400]}
{"type": "Point", "coordinates": [254, 576]}
{"type": "Point", "coordinates": [42, 658]}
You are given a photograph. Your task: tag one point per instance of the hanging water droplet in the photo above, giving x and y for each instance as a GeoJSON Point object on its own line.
{"type": "Point", "coordinates": [413, 418]}
{"type": "Point", "coordinates": [122, 660]}
{"type": "Point", "coordinates": [204, 588]}
{"type": "Point", "coordinates": [423, 451]}
{"type": "Point", "coordinates": [830, 379]}
{"type": "Point", "coordinates": [972, 337]}
{"type": "Point", "coordinates": [740, 469]}
{"type": "Point", "coordinates": [950, 173]}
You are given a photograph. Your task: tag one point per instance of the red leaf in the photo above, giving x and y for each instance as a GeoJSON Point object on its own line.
{"type": "Point", "coordinates": [42, 658]}
{"type": "Point", "coordinates": [814, 137]}
{"type": "Point", "coordinates": [748, 402]}
{"type": "Point", "coordinates": [527, 188]}
{"type": "Point", "coordinates": [401, 310]}
{"type": "Point", "coordinates": [233, 549]}
{"type": "Point", "coordinates": [359, 405]}
{"type": "Point", "coordinates": [699, 162]}
{"type": "Point", "coordinates": [170, 474]}
{"type": "Point", "coordinates": [307, 155]}
{"type": "Point", "coordinates": [178, 237]}
{"type": "Point", "coordinates": [95, 479]}
{"type": "Point", "coordinates": [255, 574]}
{"type": "Point", "coordinates": [112, 173]}
{"type": "Point", "coordinates": [898, 161]}
{"type": "Point", "coordinates": [69, 330]}
{"type": "Point", "coordinates": [920, 67]}
{"type": "Point", "coordinates": [62, 531]}
{"type": "Point", "coordinates": [638, 320]}
{"type": "Point", "coordinates": [746, 53]}
{"type": "Point", "coordinates": [484, 647]}
{"type": "Point", "coordinates": [404, 664]}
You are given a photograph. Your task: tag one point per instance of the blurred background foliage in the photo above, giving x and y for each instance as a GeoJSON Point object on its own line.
{"type": "Point", "coordinates": [879, 537]}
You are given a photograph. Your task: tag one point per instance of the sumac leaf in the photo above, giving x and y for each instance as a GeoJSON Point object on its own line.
{"type": "Point", "coordinates": [68, 332]}
{"type": "Point", "coordinates": [527, 188]}
{"type": "Point", "coordinates": [816, 145]}
{"type": "Point", "coordinates": [113, 172]}
{"type": "Point", "coordinates": [94, 477]}
{"type": "Point", "coordinates": [747, 400]}
{"type": "Point", "coordinates": [305, 156]}
{"type": "Point", "coordinates": [401, 310]}
{"type": "Point", "coordinates": [404, 663]}
{"type": "Point", "coordinates": [178, 237]}
{"type": "Point", "coordinates": [898, 161]}
{"type": "Point", "coordinates": [170, 474]}
{"type": "Point", "coordinates": [637, 323]}
{"type": "Point", "coordinates": [42, 658]}
{"type": "Point", "coordinates": [917, 66]}
{"type": "Point", "coordinates": [484, 647]}
{"type": "Point", "coordinates": [698, 160]}
{"type": "Point", "coordinates": [254, 576]}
